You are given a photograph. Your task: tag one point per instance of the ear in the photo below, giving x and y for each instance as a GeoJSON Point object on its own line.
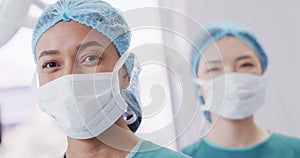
{"type": "Point", "coordinates": [125, 79]}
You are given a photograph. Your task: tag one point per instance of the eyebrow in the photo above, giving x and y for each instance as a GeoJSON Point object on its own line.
{"type": "Point", "coordinates": [48, 52]}
{"type": "Point", "coordinates": [243, 57]}
{"type": "Point", "coordinates": [237, 59]}
{"type": "Point", "coordinates": [213, 61]}
{"type": "Point", "coordinates": [88, 44]}
{"type": "Point", "coordinates": [79, 47]}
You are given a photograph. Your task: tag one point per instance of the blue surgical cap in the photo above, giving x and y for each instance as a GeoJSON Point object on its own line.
{"type": "Point", "coordinates": [96, 14]}
{"type": "Point", "coordinates": [216, 30]}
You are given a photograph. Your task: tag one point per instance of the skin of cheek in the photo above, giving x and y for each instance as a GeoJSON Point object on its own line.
{"type": "Point", "coordinates": [44, 79]}
{"type": "Point", "coordinates": [111, 57]}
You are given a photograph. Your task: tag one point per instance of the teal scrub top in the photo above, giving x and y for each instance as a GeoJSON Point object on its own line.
{"type": "Point", "coordinates": [146, 149]}
{"type": "Point", "coordinates": [275, 146]}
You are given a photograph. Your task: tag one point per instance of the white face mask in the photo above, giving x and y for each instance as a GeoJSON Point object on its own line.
{"type": "Point", "coordinates": [82, 105]}
{"type": "Point", "coordinates": [234, 96]}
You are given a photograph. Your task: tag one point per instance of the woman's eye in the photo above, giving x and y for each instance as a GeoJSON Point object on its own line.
{"type": "Point", "coordinates": [51, 64]}
{"type": "Point", "coordinates": [247, 65]}
{"type": "Point", "coordinates": [213, 70]}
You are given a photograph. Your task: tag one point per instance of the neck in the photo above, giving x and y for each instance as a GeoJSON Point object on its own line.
{"type": "Point", "coordinates": [236, 133]}
{"type": "Point", "coordinates": [116, 141]}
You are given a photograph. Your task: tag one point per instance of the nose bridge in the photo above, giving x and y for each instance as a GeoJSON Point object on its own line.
{"type": "Point", "coordinates": [230, 69]}
{"type": "Point", "coordinates": [69, 66]}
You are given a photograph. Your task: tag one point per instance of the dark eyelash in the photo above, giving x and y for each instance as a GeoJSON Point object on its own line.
{"type": "Point", "coordinates": [247, 64]}
{"type": "Point", "coordinates": [213, 69]}
{"type": "Point", "coordinates": [46, 63]}
{"type": "Point", "coordinates": [99, 56]}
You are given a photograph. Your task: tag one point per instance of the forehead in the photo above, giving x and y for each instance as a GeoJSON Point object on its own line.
{"type": "Point", "coordinates": [65, 35]}
{"type": "Point", "coordinates": [228, 49]}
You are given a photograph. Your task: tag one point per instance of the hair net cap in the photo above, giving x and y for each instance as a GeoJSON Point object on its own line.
{"type": "Point", "coordinates": [217, 30]}
{"type": "Point", "coordinates": [96, 14]}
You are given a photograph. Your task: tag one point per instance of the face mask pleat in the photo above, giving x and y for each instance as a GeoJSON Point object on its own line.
{"type": "Point", "coordinates": [234, 95]}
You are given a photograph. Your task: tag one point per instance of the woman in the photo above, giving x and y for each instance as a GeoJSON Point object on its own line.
{"type": "Point", "coordinates": [230, 63]}
{"type": "Point", "coordinates": [77, 45]}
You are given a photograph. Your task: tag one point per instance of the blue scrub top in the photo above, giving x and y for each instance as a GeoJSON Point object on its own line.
{"type": "Point", "coordinates": [275, 146]}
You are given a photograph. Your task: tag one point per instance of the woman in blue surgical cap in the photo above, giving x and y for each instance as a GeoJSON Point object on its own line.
{"type": "Point", "coordinates": [77, 44]}
{"type": "Point", "coordinates": [230, 63]}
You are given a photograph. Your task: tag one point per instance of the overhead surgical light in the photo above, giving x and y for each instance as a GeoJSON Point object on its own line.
{"type": "Point", "coordinates": [13, 15]}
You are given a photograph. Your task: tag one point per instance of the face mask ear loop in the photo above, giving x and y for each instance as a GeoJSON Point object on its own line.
{"type": "Point", "coordinates": [199, 82]}
{"type": "Point", "coordinates": [34, 88]}
{"type": "Point", "coordinates": [204, 107]}
{"type": "Point", "coordinates": [130, 117]}
{"type": "Point", "coordinates": [35, 80]}
{"type": "Point", "coordinates": [35, 84]}
{"type": "Point", "coordinates": [115, 82]}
